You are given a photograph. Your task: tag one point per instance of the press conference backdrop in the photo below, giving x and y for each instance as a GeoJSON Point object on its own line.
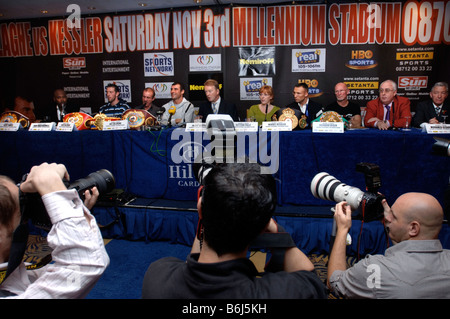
{"type": "Point", "coordinates": [243, 47]}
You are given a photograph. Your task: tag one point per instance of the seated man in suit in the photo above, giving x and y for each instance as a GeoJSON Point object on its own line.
{"type": "Point", "coordinates": [60, 107]}
{"type": "Point", "coordinates": [388, 110]}
{"type": "Point", "coordinates": [215, 104]}
{"type": "Point", "coordinates": [308, 108]}
{"type": "Point", "coordinates": [432, 111]}
{"type": "Point", "coordinates": [148, 96]}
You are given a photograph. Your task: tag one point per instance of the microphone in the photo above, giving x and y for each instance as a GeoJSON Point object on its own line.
{"type": "Point", "coordinates": [171, 111]}
{"type": "Point", "coordinates": [267, 107]}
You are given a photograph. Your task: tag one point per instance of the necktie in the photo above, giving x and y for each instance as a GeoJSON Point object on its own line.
{"type": "Point", "coordinates": [388, 113]}
{"type": "Point", "coordinates": [214, 108]}
{"type": "Point", "coordinates": [438, 110]}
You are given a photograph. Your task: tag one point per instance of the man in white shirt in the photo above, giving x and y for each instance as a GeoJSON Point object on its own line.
{"type": "Point", "coordinates": [78, 253]}
{"type": "Point", "coordinates": [182, 110]}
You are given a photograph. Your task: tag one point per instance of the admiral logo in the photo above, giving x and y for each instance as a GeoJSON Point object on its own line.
{"type": "Point", "coordinates": [158, 64]}
{"type": "Point", "coordinates": [412, 82]}
{"type": "Point", "coordinates": [308, 57]}
{"type": "Point", "coordinates": [160, 87]}
{"type": "Point", "coordinates": [74, 63]}
{"type": "Point", "coordinates": [361, 60]}
{"type": "Point", "coordinates": [205, 59]}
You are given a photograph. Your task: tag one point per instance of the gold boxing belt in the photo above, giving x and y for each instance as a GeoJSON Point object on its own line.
{"type": "Point", "coordinates": [137, 118]}
{"type": "Point", "coordinates": [15, 117]}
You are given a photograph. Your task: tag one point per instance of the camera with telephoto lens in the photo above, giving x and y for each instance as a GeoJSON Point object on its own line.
{"type": "Point", "coordinates": [368, 203]}
{"type": "Point", "coordinates": [33, 208]}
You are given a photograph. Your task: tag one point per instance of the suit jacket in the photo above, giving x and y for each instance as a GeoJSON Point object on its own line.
{"type": "Point", "coordinates": [425, 112]}
{"type": "Point", "coordinates": [225, 107]}
{"type": "Point", "coordinates": [53, 114]}
{"type": "Point", "coordinates": [401, 106]}
{"type": "Point", "coordinates": [313, 110]}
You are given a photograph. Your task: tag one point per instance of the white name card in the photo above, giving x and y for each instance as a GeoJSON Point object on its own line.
{"type": "Point", "coordinates": [10, 127]}
{"type": "Point", "coordinates": [115, 125]}
{"type": "Point", "coordinates": [195, 127]}
{"type": "Point", "coordinates": [277, 126]}
{"type": "Point", "coordinates": [66, 127]}
{"type": "Point", "coordinates": [246, 126]}
{"type": "Point", "coordinates": [42, 127]}
{"type": "Point", "coordinates": [328, 127]}
{"type": "Point", "coordinates": [437, 128]}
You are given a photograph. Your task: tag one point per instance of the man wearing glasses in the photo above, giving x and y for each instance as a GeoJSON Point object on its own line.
{"type": "Point", "coordinates": [388, 110]}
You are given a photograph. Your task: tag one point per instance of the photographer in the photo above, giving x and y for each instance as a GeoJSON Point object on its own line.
{"type": "Point", "coordinates": [235, 206]}
{"type": "Point", "coordinates": [415, 267]}
{"type": "Point", "coordinates": [78, 251]}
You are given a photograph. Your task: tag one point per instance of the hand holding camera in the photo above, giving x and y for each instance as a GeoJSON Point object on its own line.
{"type": "Point", "coordinates": [45, 178]}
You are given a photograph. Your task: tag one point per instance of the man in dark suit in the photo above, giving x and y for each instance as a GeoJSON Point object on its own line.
{"type": "Point", "coordinates": [307, 107]}
{"type": "Point", "coordinates": [215, 104]}
{"type": "Point", "coordinates": [60, 107]}
{"type": "Point", "coordinates": [432, 111]}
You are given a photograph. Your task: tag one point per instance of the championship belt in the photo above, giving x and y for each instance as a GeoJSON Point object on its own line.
{"type": "Point", "coordinates": [100, 118]}
{"type": "Point", "coordinates": [288, 115]}
{"type": "Point", "coordinates": [15, 117]}
{"type": "Point", "coordinates": [81, 120]}
{"type": "Point", "coordinates": [330, 116]}
{"type": "Point", "coordinates": [137, 118]}
{"type": "Point", "coordinates": [302, 122]}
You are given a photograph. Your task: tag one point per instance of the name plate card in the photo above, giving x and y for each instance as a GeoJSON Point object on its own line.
{"type": "Point", "coordinates": [328, 127]}
{"type": "Point", "coordinates": [10, 127]}
{"type": "Point", "coordinates": [437, 128]}
{"type": "Point", "coordinates": [277, 126]}
{"type": "Point", "coordinates": [195, 127]}
{"type": "Point", "coordinates": [115, 125]}
{"type": "Point", "coordinates": [246, 126]}
{"type": "Point", "coordinates": [42, 127]}
{"type": "Point", "coordinates": [66, 127]}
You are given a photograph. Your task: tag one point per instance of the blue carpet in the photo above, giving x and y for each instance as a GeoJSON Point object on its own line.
{"type": "Point", "coordinates": [129, 261]}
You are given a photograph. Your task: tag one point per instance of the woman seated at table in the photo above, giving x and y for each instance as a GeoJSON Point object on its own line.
{"type": "Point", "coordinates": [265, 110]}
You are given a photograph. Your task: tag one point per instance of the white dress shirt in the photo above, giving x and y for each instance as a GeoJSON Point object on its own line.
{"type": "Point", "coordinates": [79, 257]}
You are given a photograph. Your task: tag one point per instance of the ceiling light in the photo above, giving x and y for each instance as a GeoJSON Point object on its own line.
{"type": "Point", "coordinates": [44, 11]}
{"type": "Point", "coordinates": [198, 1]}
{"type": "Point", "coordinates": [142, 4]}
{"type": "Point", "coordinates": [91, 8]}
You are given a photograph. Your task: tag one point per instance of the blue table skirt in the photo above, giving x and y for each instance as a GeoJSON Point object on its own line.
{"type": "Point", "coordinates": [142, 162]}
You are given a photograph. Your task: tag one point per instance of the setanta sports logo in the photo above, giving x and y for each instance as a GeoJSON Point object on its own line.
{"type": "Point", "coordinates": [75, 63]}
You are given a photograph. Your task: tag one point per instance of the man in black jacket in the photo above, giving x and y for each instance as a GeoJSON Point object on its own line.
{"type": "Point", "coordinates": [236, 205]}
{"type": "Point", "coordinates": [309, 110]}
{"type": "Point", "coordinates": [215, 104]}
{"type": "Point", "coordinates": [434, 110]}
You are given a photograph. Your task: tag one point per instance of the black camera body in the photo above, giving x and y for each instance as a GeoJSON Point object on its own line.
{"type": "Point", "coordinates": [368, 203]}
{"type": "Point", "coordinates": [33, 209]}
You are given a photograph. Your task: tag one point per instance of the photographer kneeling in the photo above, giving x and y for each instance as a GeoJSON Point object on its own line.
{"type": "Point", "coordinates": [415, 267]}
{"type": "Point", "coordinates": [77, 246]}
{"type": "Point", "coordinates": [236, 205]}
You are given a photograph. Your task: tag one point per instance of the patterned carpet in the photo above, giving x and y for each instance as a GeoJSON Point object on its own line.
{"type": "Point", "coordinates": [38, 250]}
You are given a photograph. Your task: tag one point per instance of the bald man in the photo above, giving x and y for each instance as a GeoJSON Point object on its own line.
{"type": "Point", "coordinates": [415, 267]}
